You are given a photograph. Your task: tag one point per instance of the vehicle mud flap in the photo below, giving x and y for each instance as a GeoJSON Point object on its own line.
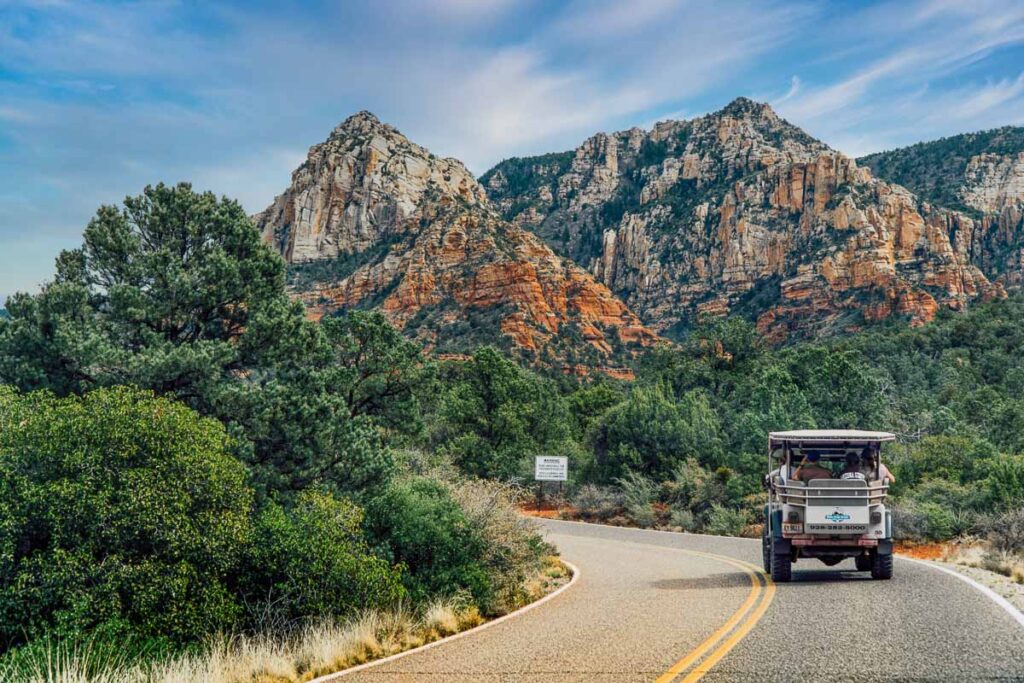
{"type": "Point", "coordinates": [881, 560]}
{"type": "Point", "coordinates": [777, 525]}
{"type": "Point", "coordinates": [766, 551]}
{"type": "Point", "coordinates": [782, 562]}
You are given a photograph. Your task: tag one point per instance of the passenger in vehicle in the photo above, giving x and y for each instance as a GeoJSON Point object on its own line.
{"type": "Point", "coordinates": [869, 457]}
{"type": "Point", "coordinates": [853, 468]}
{"type": "Point", "coordinates": [810, 468]}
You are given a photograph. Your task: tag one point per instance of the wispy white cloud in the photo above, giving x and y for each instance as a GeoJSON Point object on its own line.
{"type": "Point", "coordinates": [918, 75]}
{"type": "Point", "coordinates": [794, 90]}
{"type": "Point", "coordinates": [107, 97]}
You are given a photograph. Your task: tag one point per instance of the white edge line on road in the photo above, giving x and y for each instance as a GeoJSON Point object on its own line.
{"type": "Point", "coordinates": [1017, 614]}
{"type": "Point", "coordinates": [476, 629]}
{"type": "Point", "coordinates": [995, 597]}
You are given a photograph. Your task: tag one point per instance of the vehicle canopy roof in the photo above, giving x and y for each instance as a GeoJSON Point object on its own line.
{"type": "Point", "coordinates": [804, 438]}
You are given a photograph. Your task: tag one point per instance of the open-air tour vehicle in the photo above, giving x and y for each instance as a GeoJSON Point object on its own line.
{"type": "Point", "coordinates": [826, 500]}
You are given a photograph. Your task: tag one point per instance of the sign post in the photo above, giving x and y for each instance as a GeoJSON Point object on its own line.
{"type": "Point", "coordinates": [549, 468]}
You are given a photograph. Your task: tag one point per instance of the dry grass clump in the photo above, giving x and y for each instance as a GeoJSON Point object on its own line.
{"type": "Point", "coordinates": [314, 650]}
{"type": "Point", "coordinates": [1006, 563]}
{"type": "Point", "coordinates": [553, 574]}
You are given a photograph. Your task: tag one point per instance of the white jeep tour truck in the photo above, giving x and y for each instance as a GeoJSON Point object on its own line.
{"type": "Point", "coordinates": [826, 500]}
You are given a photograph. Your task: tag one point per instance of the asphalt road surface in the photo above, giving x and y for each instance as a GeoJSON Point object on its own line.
{"type": "Point", "coordinates": [660, 606]}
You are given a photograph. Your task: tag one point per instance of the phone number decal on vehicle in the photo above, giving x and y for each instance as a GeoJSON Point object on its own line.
{"type": "Point", "coordinates": [843, 528]}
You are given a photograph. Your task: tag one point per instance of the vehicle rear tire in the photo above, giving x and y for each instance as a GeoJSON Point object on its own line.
{"type": "Point", "coordinates": [863, 563]}
{"type": "Point", "coordinates": [881, 566]}
{"type": "Point", "coordinates": [782, 567]}
{"type": "Point", "coordinates": [766, 553]}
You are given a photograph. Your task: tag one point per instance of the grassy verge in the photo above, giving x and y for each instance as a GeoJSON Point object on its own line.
{"type": "Point", "coordinates": [316, 649]}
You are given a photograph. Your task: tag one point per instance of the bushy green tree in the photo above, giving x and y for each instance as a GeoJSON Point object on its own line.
{"type": "Point", "coordinates": [377, 370]}
{"type": "Point", "coordinates": [312, 560]}
{"type": "Point", "coordinates": [588, 403]}
{"type": "Point", "coordinates": [175, 292]}
{"type": "Point", "coordinates": [950, 458]}
{"type": "Point", "coordinates": [118, 509]}
{"type": "Point", "coordinates": [417, 524]}
{"type": "Point", "coordinates": [493, 416]}
{"type": "Point", "coordinates": [841, 389]}
{"type": "Point", "coordinates": [651, 434]}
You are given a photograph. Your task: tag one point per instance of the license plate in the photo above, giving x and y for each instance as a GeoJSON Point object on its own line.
{"type": "Point", "coordinates": [791, 528]}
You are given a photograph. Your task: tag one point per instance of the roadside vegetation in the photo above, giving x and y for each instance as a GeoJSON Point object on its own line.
{"type": "Point", "coordinates": [192, 474]}
{"type": "Point", "coordinates": [684, 448]}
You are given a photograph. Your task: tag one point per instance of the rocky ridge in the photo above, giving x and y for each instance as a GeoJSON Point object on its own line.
{"type": "Point", "coordinates": [740, 211]}
{"type": "Point", "coordinates": [372, 220]}
{"type": "Point", "coordinates": [977, 174]}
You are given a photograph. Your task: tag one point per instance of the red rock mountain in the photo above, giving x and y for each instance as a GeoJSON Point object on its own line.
{"type": "Point", "coordinates": [372, 220]}
{"type": "Point", "coordinates": [741, 212]}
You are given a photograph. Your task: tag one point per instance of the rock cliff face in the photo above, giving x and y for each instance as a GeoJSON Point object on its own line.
{"type": "Point", "coordinates": [372, 220]}
{"type": "Point", "coordinates": [978, 174]}
{"type": "Point", "coordinates": [741, 212]}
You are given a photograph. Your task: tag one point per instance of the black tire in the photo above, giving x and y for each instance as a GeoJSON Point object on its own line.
{"type": "Point", "coordinates": [782, 567]}
{"type": "Point", "coordinates": [863, 563]}
{"type": "Point", "coordinates": [881, 567]}
{"type": "Point", "coordinates": [766, 553]}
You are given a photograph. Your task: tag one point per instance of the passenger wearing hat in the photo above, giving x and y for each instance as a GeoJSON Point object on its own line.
{"type": "Point", "coordinates": [810, 469]}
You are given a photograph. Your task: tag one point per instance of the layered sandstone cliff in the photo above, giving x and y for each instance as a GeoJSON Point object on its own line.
{"type": "Point", "coordinates": [372, 220]}
{"type": "Point", "coordinates": [979, 175]}
{"type": "Point", "coordinates": [739, 211]}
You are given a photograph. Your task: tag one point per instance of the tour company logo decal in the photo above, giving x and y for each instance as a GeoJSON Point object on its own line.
{"type": "Point", "coordinates": [837, 516]}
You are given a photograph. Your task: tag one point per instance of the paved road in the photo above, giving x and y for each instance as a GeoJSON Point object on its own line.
{"type": "Point", "coordinates": [645, 600]}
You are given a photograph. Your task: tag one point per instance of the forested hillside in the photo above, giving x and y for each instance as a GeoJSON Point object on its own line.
{"type": "Point", "coordinates": [937, 170]}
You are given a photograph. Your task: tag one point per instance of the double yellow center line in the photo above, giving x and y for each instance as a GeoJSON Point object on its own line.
{"type": "Point", "coordinates": [719, 643]}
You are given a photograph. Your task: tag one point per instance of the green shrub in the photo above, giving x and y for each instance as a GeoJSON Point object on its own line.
{"type": "Point", "coordinates": [513, 550]}
{"type": "Point", "coordinates": [723, 521]}
{"type": "Point", "coordinates": [1005, 531]}
{"type": "Point", "coordinates": [312, 560]}
{"type": "Point", "coordinates": [684, 519]}
{"type": "Point", "coordinates": [950, 458]}
{"type": "Point", "coordinates": [116, 508]}
{"type": "Point", "coordinates": [948, 494]}
{"type": "Point", "coordinates": [1005, 481]}
{"type": "Point", "coordinates": [417, 523]}
{"type": "Point", "coordinates": [638, 495]}
{"type": "Point", "coordinates": [940, 522]}
{"type": "Point", "coordinates": [908, 523]}
{"type": "Point", "coordinates": [598, 503]}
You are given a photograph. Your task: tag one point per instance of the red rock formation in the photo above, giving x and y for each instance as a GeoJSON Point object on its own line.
{"type": "Point", "coordinates": [428, 251]}
{"type": "Point", "coordinates": [741, 209]}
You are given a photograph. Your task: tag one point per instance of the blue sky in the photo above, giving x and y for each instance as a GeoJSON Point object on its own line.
{"type": "Point", "coordinates": [98, 99]}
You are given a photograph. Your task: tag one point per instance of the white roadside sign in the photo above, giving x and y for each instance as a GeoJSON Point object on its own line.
{"type": "Point", "coordinates": [551, 468]}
